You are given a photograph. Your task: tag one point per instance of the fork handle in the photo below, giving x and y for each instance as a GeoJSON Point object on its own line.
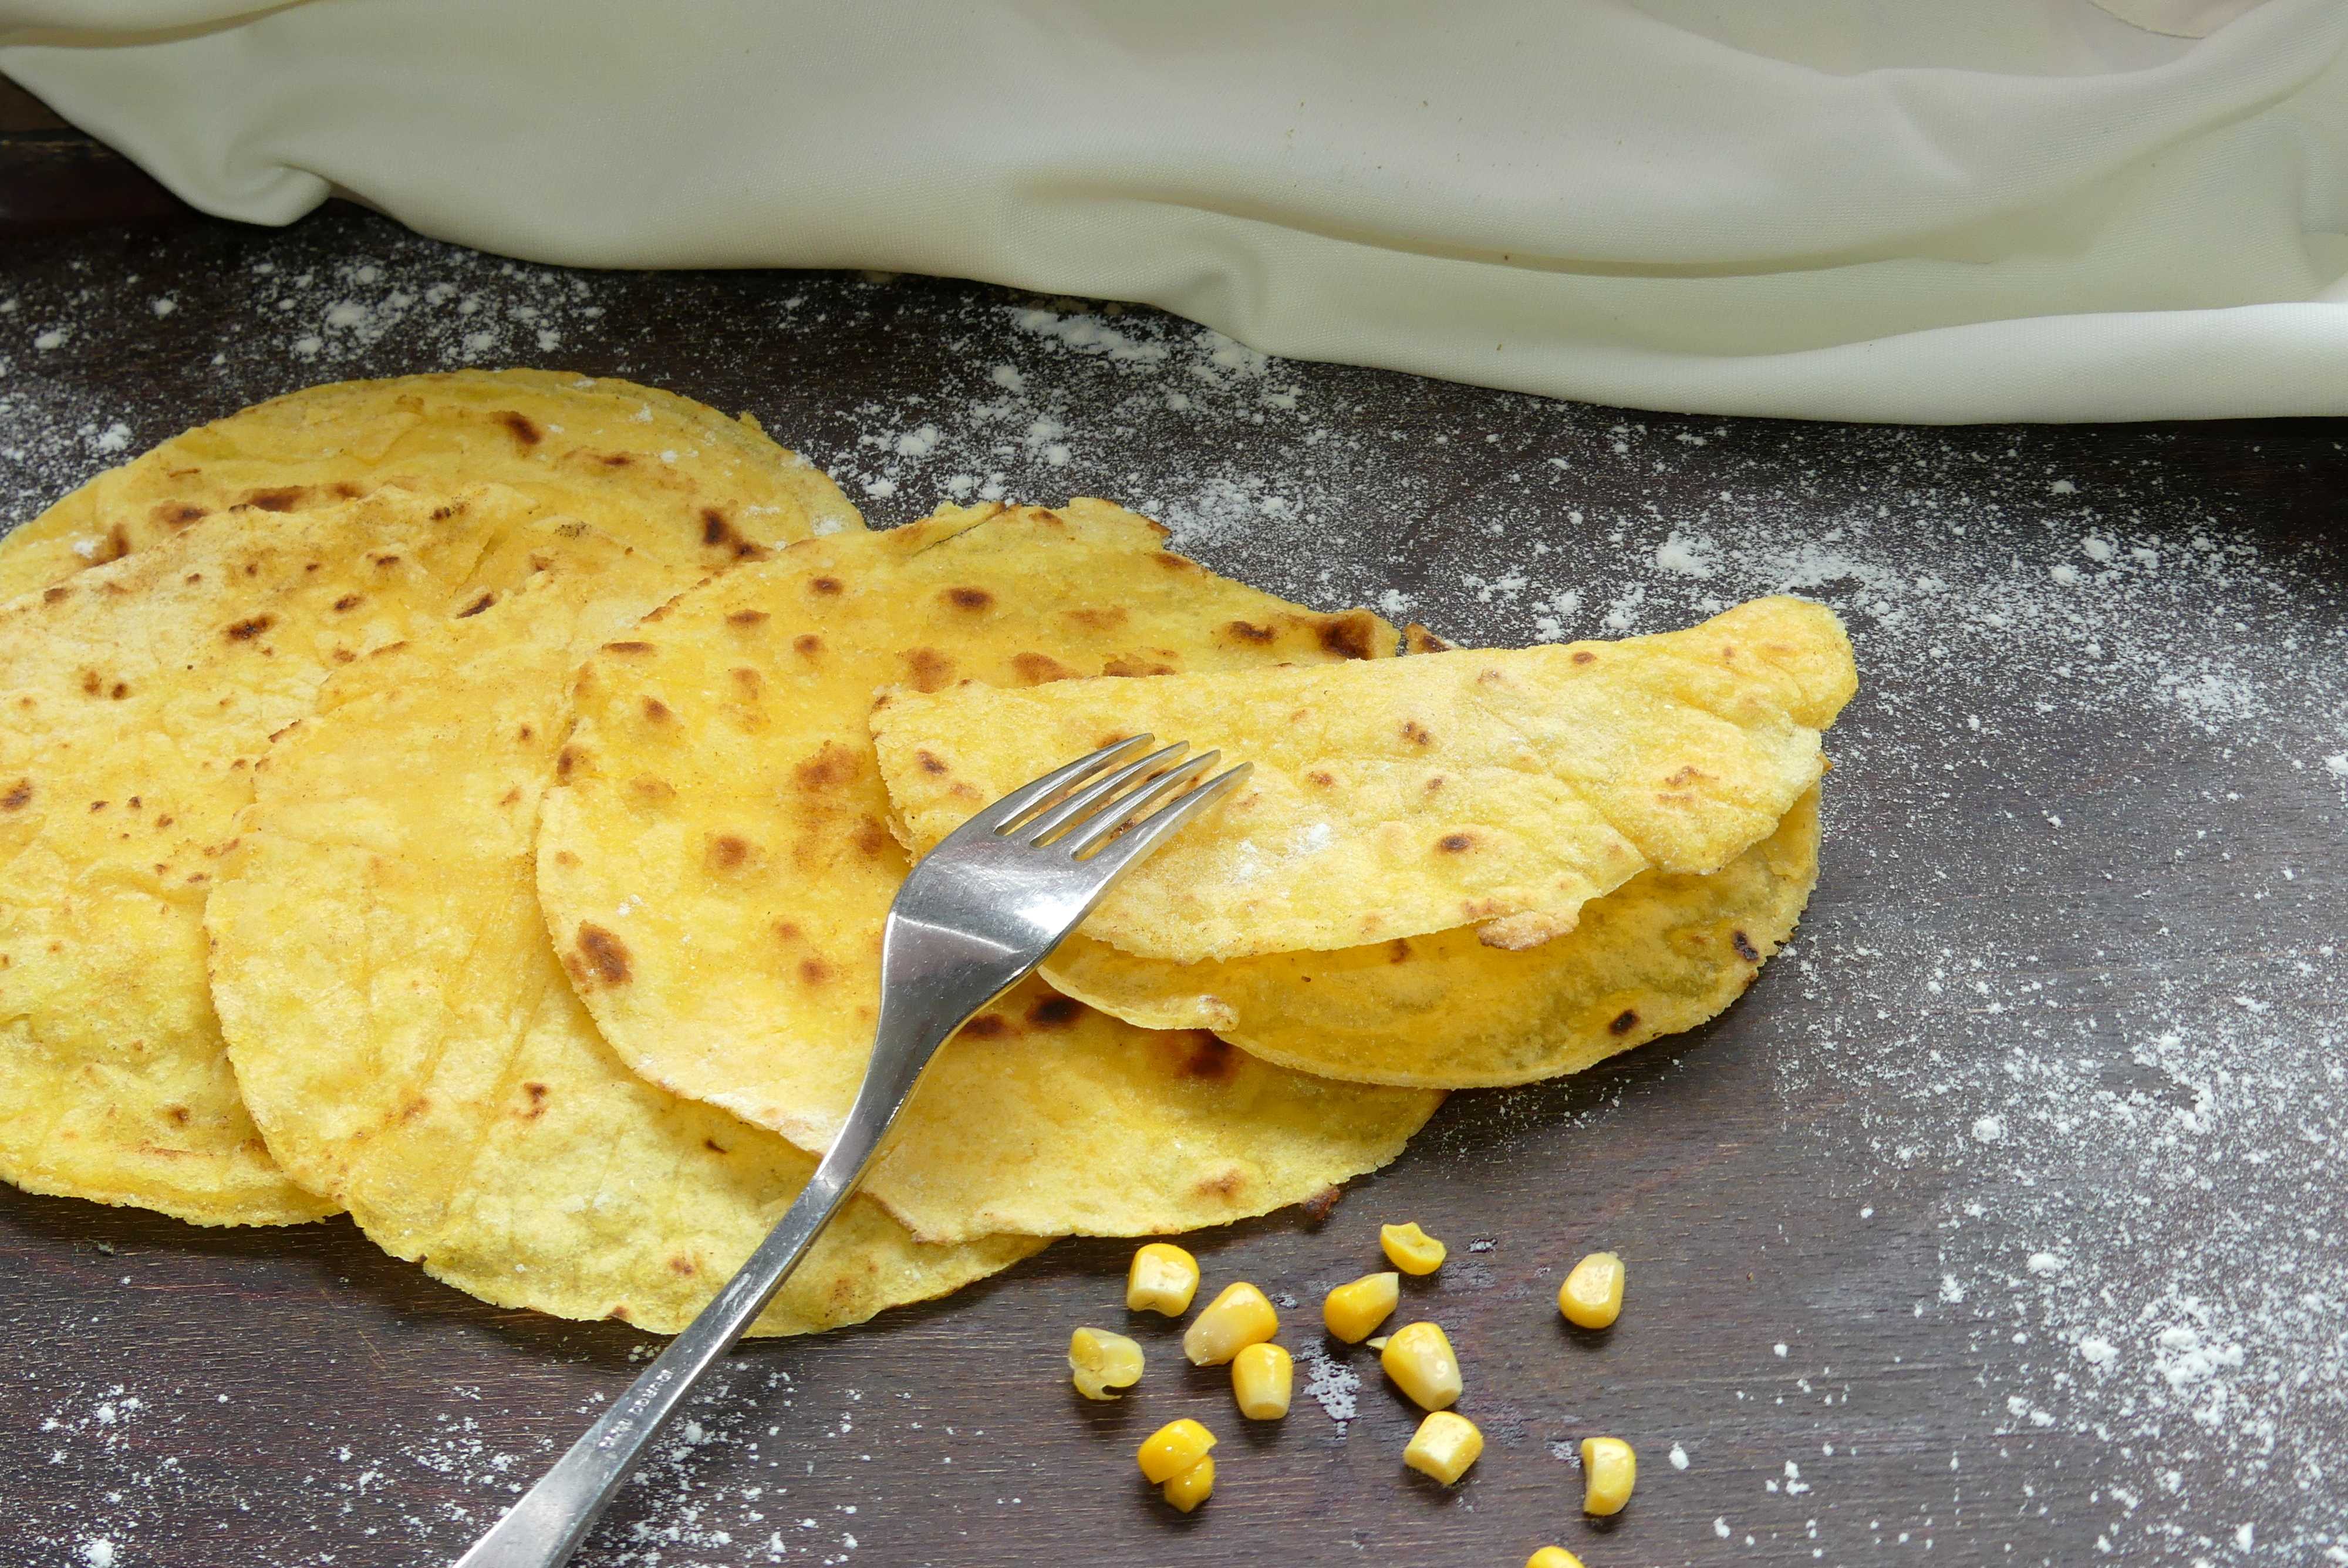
{"type": "Point", "coordinates": [547, 1524]}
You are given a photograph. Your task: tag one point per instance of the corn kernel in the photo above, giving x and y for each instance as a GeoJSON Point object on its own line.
{"type": "Point", "coordinates": [1351, 1311]}
{"type": "Point", "coordinates": [1445, 1445]}
{"type": "Point", "coordinates": [1192, 1486]}
{"type": "Point", "coordinates": [1418, 1357]}
{"type": "Point", "coordinates": [1261, 1376]}
{"type": "Point", "coordinates": [1608, 1469]}
{"type": "Point", "coordinates": [1591, 1296]}
{"type": "Point", "coordinates": [1228, 1325]}
{"type": "Point", "coordinates": [1173, 1449]}
{"type": "Point", "coordinates": [1412, 1250]}
{"type": "Point", "coordinates": [1102, 1363]}
{"type": "Point", "coordinates": [1377, 1344]}
{"type": "Point", "coordinates": [1163, 1278]}
{"type": "Point", "coordinates": [1552, 1557]}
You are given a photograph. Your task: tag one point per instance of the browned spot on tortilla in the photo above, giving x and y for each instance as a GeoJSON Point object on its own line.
{"type": "Point", "coordinates": [657, 710]}
{"type": "Point", "coordinates": [971, 599]}
{"type": "Point", "coordinates": [727, 851]}
{"type": "Point", "coordinates": [652, 791]}
{"type": "Point", "coordinates": [1456, 843]}
{"type": "Point", "coordinates": [1686, 776]}
{"type": "Point", "coordinates": [521, 424]}
{"type": "Point", "coordinates": [928, 762]}
{"type": "Point", "coordinates": [832, 767]}
{"type": "Point", "coordinates": [283, 498]}
{"type": "Point", "coordinates": [178, 514]}
{"type": "Point", "coordinates": [55, 595]}
{"type": "Point", "coordinates": [1099, 618]}
{"type": "Point", "coordinates": [1352, 635]}
{"type": "Point", "coordinates": [244, 630]}
{"type": "Point", "coordinates": [1037, 669]}
{"type": "Point", "coordinates": [1584, 656]}
{"type": "Point", "coordinates": [871, 838]}
{"type": "Point", "coordinates": [683, 1266]}
{"type": "Point", "coordinates": [524, 733]}
{"type": "Point", "coordinates": [414, 1108]}
{"type": "Point", "coordinates": [987, 1027]}
{"type": "Point", "coordinates": [715, 1147]}
{"type": "Point", "coordinates": [565, 760]}
{"type": "Point", "coordinates": [824, 585]}
{"type": "Point", "coordinates": [92, 683]}
{"type": "Point", "coordinates": [807, 644]}
{"type": "Point", "coordinates": [478, 606]}
{"type": "Point", "coordinates": [512, 796]}
{"type": "Point", "coordinates": [1249, 632]}
{"type": "Point", "coordinates": [744, 617]}
{"type": "Point", "coordinates": [537, 1093]}
{"type": "Point", "coordinates": [1226, 1184]}
{"type": "Point", "coordinates": [814, 971]}
{"type": "Point", "coordinates": [605, 953]}
{"type": "Point", "coordinates": [347, 602]}
{"type": "Point", "coordinates": [1321, 1205]}
{"type": "Point", "coordinates": [347, 491]}
{"type": "Point", "coordinates": [1173, 562]}
{"type": "Point", "coordinates": [178, 1115]}
{"type": "Point", "coordinates": [628, 647]}
{"type": "Point", "coordinates": [747, 679]}
{"type": "Point", "coordinates": [931, 670]}
{"type": "Point", "coordinates": [788, 929]}
{"type": "Point", "coordinates": [1434, 781]}
{"type": "Point", "coordinates": [1054, 1012]}
{"type": "Point", "coordinates": [615, 459]}
{"type": "Point", "coordinates": [1623, 1022]}
{"type": "Point", "coordinates": [1398, 952]}
{"type": "Point", "coordinates": [1210, 1058]}
{"type": "Point", "coordinates": [1745, 948]}
{"type": "Point", "coordinates": [1125, 665]}
{"type": "Point", "coordinates": [1322, 777]}
{"type": "Point", "coordinates": [1416, 733]}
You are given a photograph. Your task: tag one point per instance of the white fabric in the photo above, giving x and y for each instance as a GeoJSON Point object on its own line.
{"type": "Point", "coordinates": [1907, 210]}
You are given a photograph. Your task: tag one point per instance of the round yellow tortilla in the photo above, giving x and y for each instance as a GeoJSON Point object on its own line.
{"type": "Point", "coordinates": [1503, 789]}
{"type": "Point", "coordinates": [716, 866]}
{"type": "Point", "coordinates": [411, 1046]}
{"type": "Point", "coordinates": [652, 469]}
{"type": "Point", "coordinates": [1661, 954]}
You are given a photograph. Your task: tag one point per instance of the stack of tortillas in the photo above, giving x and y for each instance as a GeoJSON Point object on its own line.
{"type": "Point", "coordinates": [456, 800]}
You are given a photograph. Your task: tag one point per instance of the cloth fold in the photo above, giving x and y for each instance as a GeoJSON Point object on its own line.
{"type": "Point", "coordinates": [1842, 209]}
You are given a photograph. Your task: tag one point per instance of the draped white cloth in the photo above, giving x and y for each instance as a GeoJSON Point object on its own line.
{"type": "Point", "coordinates": [1907, 210]}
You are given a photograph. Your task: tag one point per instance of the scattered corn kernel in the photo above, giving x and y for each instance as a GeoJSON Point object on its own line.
{"type": "Point", "coordinates": [1552, 1557]}
{"type": "Point", "coordinates": [1173, 1449]}
{"type": "Point", "coordinates": [1608, 1469]}
{"type": "Point", "coordinates": [1445, 1445]}
{"type": "Point", "coordinates": [1418, 1357]}
{"type": "Point", "coordinates": [1192, 1486]}
{"type": "Point", "coordinates": [1351, 1311]}
{"type": "Point", "coordinates": [1412, 1250]}
{"type": "Point", "coordinates": [1591, 1296]}
{"type": "Point", "coordinates": [1261, 1377]}
{"type": "Point", "coordinates": [1102, 1363]}
{"type": "Point", "coordinates": [1228, 1325]}
{"type": "Point", "coordinates": [1163, 1278]}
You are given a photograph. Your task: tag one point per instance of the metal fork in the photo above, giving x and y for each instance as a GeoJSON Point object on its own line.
{"type": "Point", "coordinates": [974, 917]}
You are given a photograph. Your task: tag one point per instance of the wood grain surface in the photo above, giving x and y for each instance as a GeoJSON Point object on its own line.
{"type": "Point", "coordinates": [2000, 1223]}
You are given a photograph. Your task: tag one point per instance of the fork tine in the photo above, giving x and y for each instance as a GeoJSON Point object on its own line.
{"type": "Point", "coordinates": [1025, 798]}
{"type": "Point", "coordinates": [1117, 815]}
{"type": "Point", "coordinates": [1148, 833]}
{"type": "Point", "coordinates": [1081, 805]}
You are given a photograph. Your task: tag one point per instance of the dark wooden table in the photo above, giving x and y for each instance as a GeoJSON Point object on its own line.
{"type": "Point", "coordinates": [2001, 1223]}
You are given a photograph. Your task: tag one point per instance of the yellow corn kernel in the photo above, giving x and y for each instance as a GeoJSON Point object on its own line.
{"type": "Point", "coordinates": [1608, 1469]}
{"type": "Point", "coordinates": [1261, 1376]}
{"type": "Point", "coordinates": [1412, 1250]}
{"type": "Point", "coordinates": [1591, 1296]}
{"type": "Point", "coordinates": [1173, 1449]}
{"type": "Point", "coordinates": [1228, 1325]}
{"type": "Point", "coordinates": [1445, 1445]}
{"type": "Point", "coordinates": [1163, 1278]}
{"type": "Point", "coordinates": [1418, 1357]}
{"type": "Point", "coordinates": [1351, 1311]}
{"type": "Point", "coordinates": [1102, 1363]}
{"type": "Point", "coordinates": [1552, 1557]}
{"type": "Point", "coordinates": [1192, 1486]}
